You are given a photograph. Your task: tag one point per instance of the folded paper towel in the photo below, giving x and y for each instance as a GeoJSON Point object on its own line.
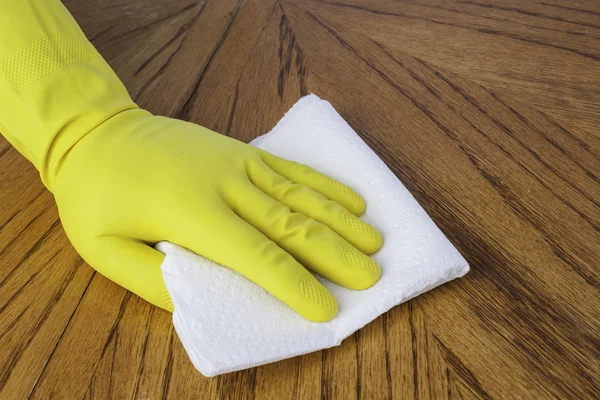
{"type": "Point", "coordinates": [251, 327]}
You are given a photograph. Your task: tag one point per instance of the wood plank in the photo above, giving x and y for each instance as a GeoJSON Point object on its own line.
{"type": "Point", "coordinates": [41, 279]}
{"type": "Point", "coordinates": [448, 141]}
{"type": "Point", "coordinates": [515, 53]}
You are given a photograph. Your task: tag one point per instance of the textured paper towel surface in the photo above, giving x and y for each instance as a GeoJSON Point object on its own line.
{"type": "Point", "coordinates": [227, 323]}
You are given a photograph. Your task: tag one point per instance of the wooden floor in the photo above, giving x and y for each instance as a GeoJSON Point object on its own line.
{"type": "Point", "coordinates": [488, 111]}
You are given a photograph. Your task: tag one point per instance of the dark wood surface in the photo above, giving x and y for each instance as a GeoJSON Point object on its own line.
{"type": "Point", "coordinates": [488, 111]}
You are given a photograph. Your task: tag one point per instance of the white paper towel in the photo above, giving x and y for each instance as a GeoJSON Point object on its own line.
{"type": "Point", "coordinates": [227, 323]}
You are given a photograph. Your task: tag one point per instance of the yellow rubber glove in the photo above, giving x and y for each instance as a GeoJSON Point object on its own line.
{"type": "Point", "coordinates": [124, 179]}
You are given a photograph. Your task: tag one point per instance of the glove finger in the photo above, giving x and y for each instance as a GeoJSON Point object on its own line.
{"type": "Point", "coordinates": [302, 199]}
{"type": "Point", "coordinates": [313, 244]}
{"type": "Point", "coordinates": [133, 265]}
{"type": "Point", "coordinates": [328, 187]}
{"type": "Point", "coordinates": [236, 244]}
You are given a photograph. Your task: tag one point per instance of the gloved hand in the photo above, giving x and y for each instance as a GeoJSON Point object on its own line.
{"type": "Point", "coordinates": [138, 179]}
{"type": "Point", "coordinates": [124, 179]}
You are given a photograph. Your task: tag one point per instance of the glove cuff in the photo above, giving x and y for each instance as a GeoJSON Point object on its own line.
{"type": "Point", "coordinates": [54, 85]}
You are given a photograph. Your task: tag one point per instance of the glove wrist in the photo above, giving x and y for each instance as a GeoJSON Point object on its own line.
{"type": "Point", "coordinates": [54, 86]}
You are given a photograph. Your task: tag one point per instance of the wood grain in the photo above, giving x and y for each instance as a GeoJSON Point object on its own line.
{"type": "Point", "coordinates": [487, 110]}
